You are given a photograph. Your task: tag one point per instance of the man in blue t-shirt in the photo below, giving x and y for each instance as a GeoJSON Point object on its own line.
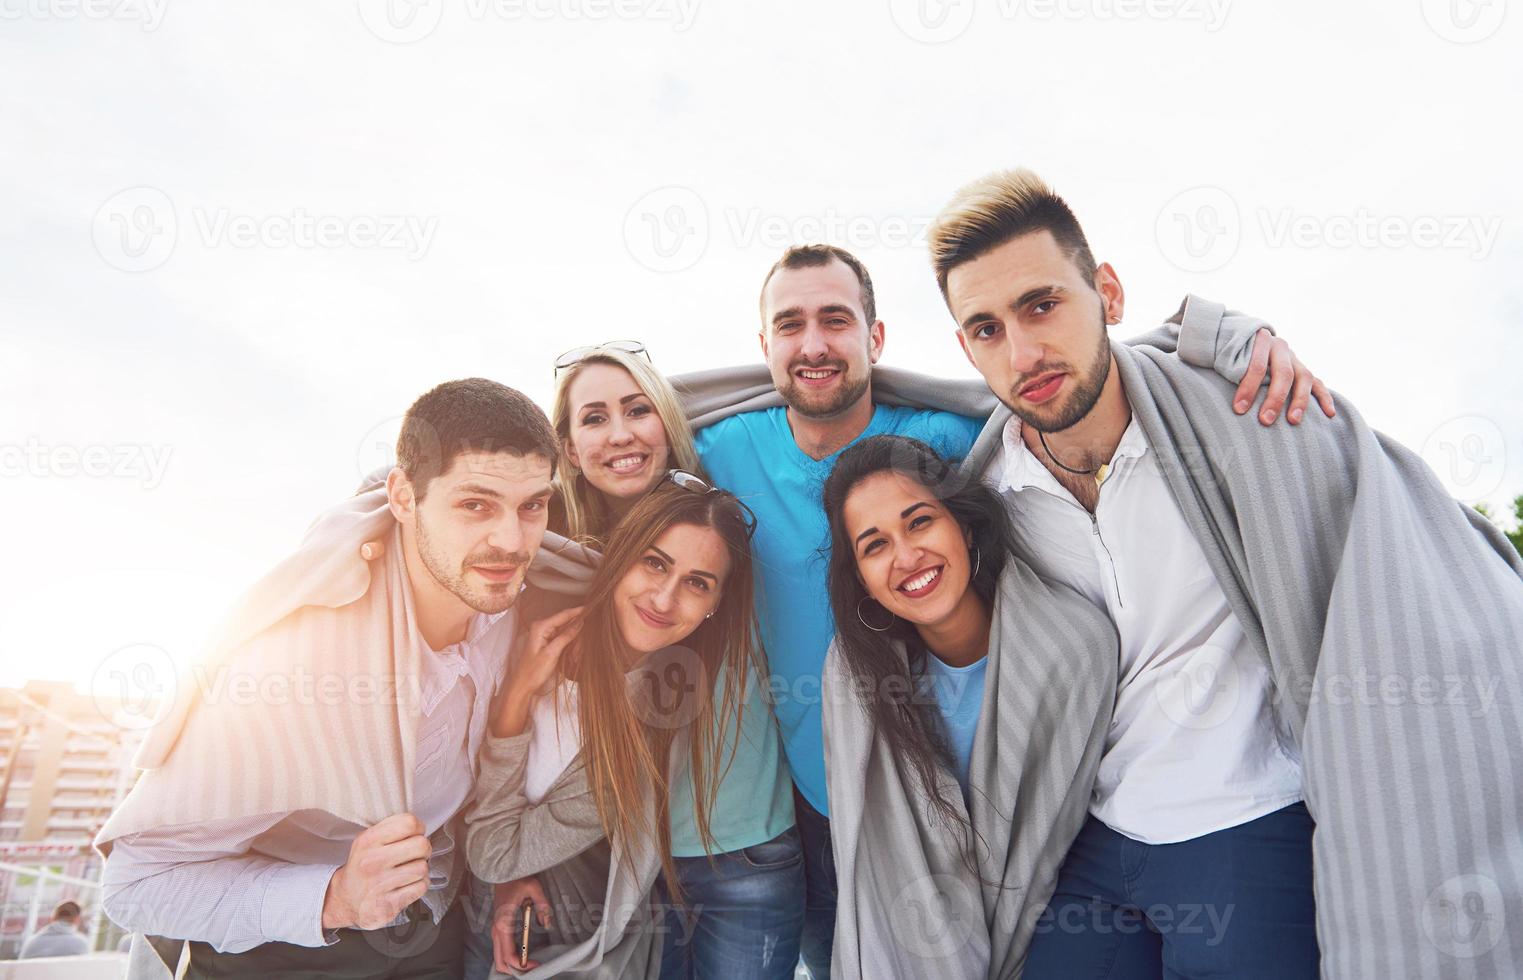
{"type": "Point", "coordinates": [820, 335]}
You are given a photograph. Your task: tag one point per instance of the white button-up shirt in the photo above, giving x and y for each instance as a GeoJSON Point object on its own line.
{"type": "Point", "coordinates": [1195, 744]}
{"type": "Point", "coordinates": [239, 883]}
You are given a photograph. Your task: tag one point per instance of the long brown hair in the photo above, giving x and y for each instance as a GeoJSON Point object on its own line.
{"type": "Point", "coordinates": [625, 742]}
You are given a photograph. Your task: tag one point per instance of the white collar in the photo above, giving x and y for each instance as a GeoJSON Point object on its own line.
{"type": "Point", "coordinates": [1023, 471]}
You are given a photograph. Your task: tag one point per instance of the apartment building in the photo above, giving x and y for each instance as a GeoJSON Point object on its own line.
{"type": "Point", "coordinates": [64, 763]}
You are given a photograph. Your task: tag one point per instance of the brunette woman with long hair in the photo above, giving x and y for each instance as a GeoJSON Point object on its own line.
{"type": "Point", "coordinates": [632, 670]}
{"type": "Point", "coordinates": [966, 701]}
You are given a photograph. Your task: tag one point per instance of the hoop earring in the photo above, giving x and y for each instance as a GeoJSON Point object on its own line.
{"type": "Point", "coordinates": [978, 557]}
{"type": "Point", "coordinates": [875, 629]}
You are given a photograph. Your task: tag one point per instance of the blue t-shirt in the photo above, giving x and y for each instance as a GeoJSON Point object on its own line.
{"type": "Point", "coordinates": [959, 693]}
{"type": "Point", "coordinates": [753, 455]}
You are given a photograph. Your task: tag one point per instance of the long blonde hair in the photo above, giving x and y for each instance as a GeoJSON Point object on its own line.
{"type": "Point", "coordinates": [588, 518]}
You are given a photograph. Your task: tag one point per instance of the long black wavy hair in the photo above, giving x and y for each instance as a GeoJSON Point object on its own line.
{"type": "Point", "coordinates": [905, 717]}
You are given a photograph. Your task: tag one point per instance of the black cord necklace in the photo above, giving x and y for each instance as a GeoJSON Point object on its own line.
{"type": "Point", "coordinates": [1066, 469]}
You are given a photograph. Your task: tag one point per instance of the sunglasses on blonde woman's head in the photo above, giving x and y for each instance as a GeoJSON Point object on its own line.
{"type": "Point", "coordinates": [578, 354]}
{"type": "Point", "coordinates": [697, 484]}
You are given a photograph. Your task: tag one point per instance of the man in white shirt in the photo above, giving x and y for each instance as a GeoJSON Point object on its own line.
{"type": "Point", "coordinates": [304, 891]}
{"type": "Point", "coordinates": [1196, 859]}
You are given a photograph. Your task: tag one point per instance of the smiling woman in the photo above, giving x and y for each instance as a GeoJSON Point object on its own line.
{"type": "Point", "coordinates": [620, 427]}
{"type": "Point", "coordinates": [669, 610]}
{"type": "Point", "coordinates": [965, 704]}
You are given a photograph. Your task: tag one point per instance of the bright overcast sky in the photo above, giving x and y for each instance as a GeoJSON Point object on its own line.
{"type": "Point", "coordinates": [239, 238]}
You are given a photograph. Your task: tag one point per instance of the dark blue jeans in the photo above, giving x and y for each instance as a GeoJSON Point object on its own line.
{"type": "Point", "coordinates": [1236, 903]}
{"type": "Point", "coordinates": [819, 887]}
{"type": "Point", "coordinates": [741, 915]}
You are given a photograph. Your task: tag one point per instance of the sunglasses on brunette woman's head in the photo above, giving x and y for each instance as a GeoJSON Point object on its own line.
{"type": "Point", "coordinates": [697, 484]}
{"type": "Point", "coordinates": [577, 354]}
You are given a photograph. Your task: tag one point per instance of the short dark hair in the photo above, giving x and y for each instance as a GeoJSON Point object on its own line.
{"type": "Point", "coordinates": [995, 209]}
{"type": "Point", "coordinates": [470, 415]}
{"type": "Point", "coordinates": [66, 910]}
{"type": "Point", "coordinates": [813, 256]}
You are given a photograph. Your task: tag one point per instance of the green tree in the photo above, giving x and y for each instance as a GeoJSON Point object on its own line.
{"type": "Point", "coordinates": [1514, 533]}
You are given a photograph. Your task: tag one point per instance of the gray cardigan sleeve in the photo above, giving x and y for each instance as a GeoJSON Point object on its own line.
{"type": "Point", "coordinates": [507, 836]}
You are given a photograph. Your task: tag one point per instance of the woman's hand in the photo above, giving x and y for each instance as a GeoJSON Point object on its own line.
{"type": "Point", "coordinates": [508, 924]}
{"type": "Point", "coordinates": [371, 550]}
{"type": "Point", "coordinates": [533, 668]}
{"type": "Point", "coordinates": [541, 648]}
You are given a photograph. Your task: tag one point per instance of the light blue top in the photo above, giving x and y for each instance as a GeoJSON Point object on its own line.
{"type": "Point", "coordinates": [754, 802]}
{"type": "Point", "coordinates": [753, 455]}
{"type": "Point", "coordinates": [959, 693]}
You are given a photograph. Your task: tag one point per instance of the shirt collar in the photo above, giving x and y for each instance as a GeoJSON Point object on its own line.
{"type": "Point", "coordinates": [444, 668]}
{"type": "Point", "coordinates": [1023, 471]}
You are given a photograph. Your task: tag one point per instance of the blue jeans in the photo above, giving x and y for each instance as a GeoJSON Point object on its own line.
{"type": "Point", "coordinates": [741, 915]}
{"type": "Point", "coordinates": [1236, 903]}
{"type": "Point", "coordinates": [819, 887]}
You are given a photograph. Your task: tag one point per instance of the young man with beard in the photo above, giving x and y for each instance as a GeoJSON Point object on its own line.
{"type": "Point", "coordinates": [820, 336]}
{"type": "Point", "coordinates": [312, 829]}
{"type": "Point", "coordinates": [1247, 572]}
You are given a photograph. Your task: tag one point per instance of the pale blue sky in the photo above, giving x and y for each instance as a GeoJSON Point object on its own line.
{"type": "Point", "coordinates": [325, 223]}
